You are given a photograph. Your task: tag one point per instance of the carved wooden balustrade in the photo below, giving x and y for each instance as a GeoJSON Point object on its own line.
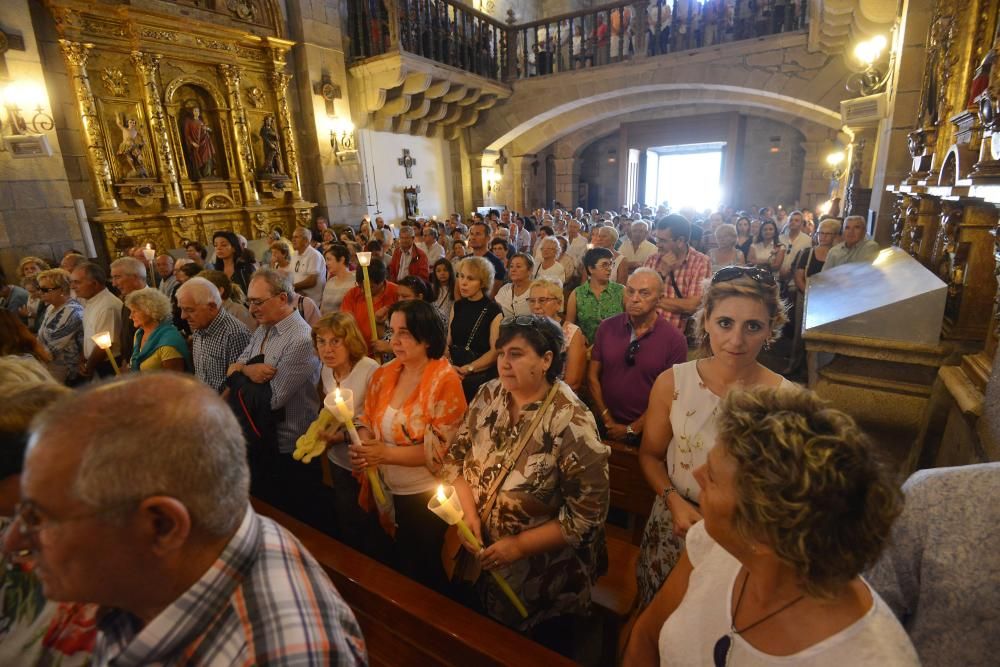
{"type": "Point", "coordinates": [454, 34]}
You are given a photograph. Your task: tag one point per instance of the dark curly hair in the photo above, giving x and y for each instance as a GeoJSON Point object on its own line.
{"type": "Point", "coordinates": [809, 484]}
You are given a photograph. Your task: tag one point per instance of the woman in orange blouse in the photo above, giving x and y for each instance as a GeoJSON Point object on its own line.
{"type": "Point", "coordinates": [413, 408]}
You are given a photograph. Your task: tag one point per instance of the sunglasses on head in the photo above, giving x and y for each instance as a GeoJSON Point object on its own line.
{"type": "Point", "coordinates": [754, 273]}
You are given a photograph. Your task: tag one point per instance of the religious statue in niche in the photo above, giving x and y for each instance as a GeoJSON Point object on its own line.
{"type": "Point", "coordinates": [272, 150]}
{"type": "Point", "coordinates": [410, 204]}
{"type": "Point", "coordinates": [198, 140]}
{"type": "Point", "coordinates": [130, 148]}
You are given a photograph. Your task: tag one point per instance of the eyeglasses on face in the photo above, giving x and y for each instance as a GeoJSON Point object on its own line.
{"type": "Point", "coordinates": [257, 303]}
{"type": "Point", "coordinates": [728, 273]}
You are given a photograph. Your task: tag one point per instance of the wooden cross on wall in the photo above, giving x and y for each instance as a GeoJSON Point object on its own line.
{"type": "Point", "coordinates": [8, 41]}
{"type": "Point", "coordinates": [407, 162]}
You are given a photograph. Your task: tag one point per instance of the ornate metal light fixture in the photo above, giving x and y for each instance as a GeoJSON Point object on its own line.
{"type": "Point", "coordinates": [15, 95]}
{"type": "Point", "coordinates": [870, 79]}
{"type": "Point", "coordinates": [342, 140]}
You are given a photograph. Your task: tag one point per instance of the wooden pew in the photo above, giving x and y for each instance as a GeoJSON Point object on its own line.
{"type": "Point", "coordinates": [615, 594]}
{"type": "Point", "coordinates": [405, 623]}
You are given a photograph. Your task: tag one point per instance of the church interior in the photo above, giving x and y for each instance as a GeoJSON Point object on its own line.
{"type": "Point", "coordinates": [158, 124]}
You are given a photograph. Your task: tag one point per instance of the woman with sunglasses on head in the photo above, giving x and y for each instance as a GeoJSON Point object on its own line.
{"type": "Point", "coordinates": [795, 507]}
{"type": "Point", "coordinates": [741, 312]}
{"type": "Point", "coordinates": [545, 298]}
{"type": "Point", "coordinates": [532, 477]}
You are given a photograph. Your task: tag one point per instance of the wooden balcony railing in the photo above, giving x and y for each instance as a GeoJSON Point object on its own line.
{"type": "Point", "coordinates": [453, 34]}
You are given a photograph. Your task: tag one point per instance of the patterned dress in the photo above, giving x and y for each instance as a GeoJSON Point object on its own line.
{"type": "Point", "coordinates": [562, 474]}
{"type": "Point", "coordinates": [692, 419]}
{"type": "Point", "coordinates": [61, 332]}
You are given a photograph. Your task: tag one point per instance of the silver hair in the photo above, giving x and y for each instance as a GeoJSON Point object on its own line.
{"type": "Point", "coordinates": [306, 232]}
{"type": "Point", "coordinates": [279, 283]}
{"type": "Point", "coordinates": [137, 445]}
{"type": "Point", "coordinates": [829, 222]}
{"type": "Point", "coordinates": [864, 223]}
{"type": "Point", "coordinates": [150, 301]}
{"type": "Point", "coordinates": [612, 231]}
{"type": "Point", "coordinates": [15, 372]}
{"type": "Point", "coordinates": [131, 266]}
{"type": "Point", "coordinates": [202, 290]}
{"type": "Point", "coordinates": [640, 223]}
{"type": "Point", "coordinates": [551, 239]}
{"type": "Point", "coordinates": [646, 271]}
{"type": "Point", "coordinates": [406, 230]}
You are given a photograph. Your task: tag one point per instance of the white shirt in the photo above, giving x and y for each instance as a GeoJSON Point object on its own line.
{"type": "Point", "coordinates": [310, 263]}
{"type": "Point", "coordinates": [512, 304]}
{"type": "Point", "coordinates": [434, 252]}
{"type": "Point", "coordinates": [357, 381]}
{"type": "Point", "coordinates": [577, 248]}
{"type": "Point", "coordinates": [555, 272]}
{"type": "Point", "coordinates": [792, 248]}
{"type": "Point", "coordinates": [688, 637]}
{"type": "Point", "coordinates": [403, 480]}
{"type": "Point", "coordinates": [637, 255]}
{"type": "Point", "coordinates": [102, 312]}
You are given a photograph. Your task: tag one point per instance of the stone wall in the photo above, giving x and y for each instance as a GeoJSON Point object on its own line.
{"type": "Point", "coordinates": [766, 178]}
{"type": "Point", "coordinates": [37, 216]}
{"type": "Point", "coordinates": [432, 173]}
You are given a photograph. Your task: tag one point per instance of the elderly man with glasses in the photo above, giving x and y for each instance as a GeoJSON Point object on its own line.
{"type": "Point", "coordinates": [143, 508]}
{"type": "Point", "coordinates": [630, 351]}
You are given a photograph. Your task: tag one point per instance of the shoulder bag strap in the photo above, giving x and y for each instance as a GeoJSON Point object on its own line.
{"type": "Point", "coordinates": [509, 461]}
{"type": "Point", "coordinates": [673, 283]}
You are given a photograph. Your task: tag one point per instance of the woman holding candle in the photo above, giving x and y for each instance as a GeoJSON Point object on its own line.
{"type": "Point", "coordinates": [474, 325]}
{"type": "Point", "coordinates": [158, 343]}
{"type": "Point", "coordinates": [543, 523]}
{"type": "Point", "coordinates": [384, 294]}
{"type": "Point", "coordinates": [342, 349]}
{"type": "Point", "coordinates": [413, 407]}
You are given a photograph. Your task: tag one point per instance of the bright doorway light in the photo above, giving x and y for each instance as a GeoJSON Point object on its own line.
{"type": "Point", "coordinates": [686, 176]}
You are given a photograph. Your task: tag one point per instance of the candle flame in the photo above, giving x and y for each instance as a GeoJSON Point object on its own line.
{"type": "Point", "coordinates": [440, 494]}
{"type": "Point", "coordinates": [149, 246]}
{"type": "Point", "coordinates": [336, 394]}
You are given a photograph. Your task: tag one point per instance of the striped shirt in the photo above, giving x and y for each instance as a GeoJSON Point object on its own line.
{"type": "Point", "coordinates": [288, 347]}
{"type": "Point", "coordinates": [265, 600]}
{"type": "Point", "coordinates": [216, 346]}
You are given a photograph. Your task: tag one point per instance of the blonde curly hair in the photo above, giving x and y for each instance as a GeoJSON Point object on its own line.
{"type": "Point", "coordinates": [809, 484]}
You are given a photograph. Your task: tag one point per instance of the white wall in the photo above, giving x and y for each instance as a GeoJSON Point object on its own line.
{"type": "Point", "coordinates": [432, 172]}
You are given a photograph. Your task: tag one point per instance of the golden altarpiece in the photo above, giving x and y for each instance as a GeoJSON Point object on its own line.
{"type": "Point", "coordinates": [946, 215]}
{"type": "Point", "coordinates": [186, 123]}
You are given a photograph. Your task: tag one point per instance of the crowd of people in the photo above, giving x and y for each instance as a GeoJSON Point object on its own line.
{"type": "Point", "coordinates": [500, 356]}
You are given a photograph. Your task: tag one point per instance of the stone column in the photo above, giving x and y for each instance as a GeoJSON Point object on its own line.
{"type": "Point", "coordinates": [76, 55]}
{"type": "Point", "coordinates": [520, 168]}
{"type": "Point", "coordinates": [244, 156]}
{"type": "Point", "coordinates": [567, 181]}
{"type": "Point", "coordinates": [280, 81]}
{"type": "Point", "coordinates": [148, 65]}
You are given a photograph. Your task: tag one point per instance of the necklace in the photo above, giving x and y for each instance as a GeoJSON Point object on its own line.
{"type": "Point", "coordinates": [724, 646]}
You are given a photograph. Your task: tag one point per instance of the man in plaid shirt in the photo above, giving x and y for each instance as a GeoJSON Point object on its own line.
{"type": "Point", "coordinates": [682, 268]}
{"type": "Point", "coordinates": [217, 338]}
{"type": "Point", "coordinates": [141, 505]}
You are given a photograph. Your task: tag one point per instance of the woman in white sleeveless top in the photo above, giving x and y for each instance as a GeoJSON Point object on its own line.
{"type": "Point", "coordinates": [741, 312]}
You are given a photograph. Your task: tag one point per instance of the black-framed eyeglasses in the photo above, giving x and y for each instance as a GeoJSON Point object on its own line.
{"type": "Point", "coordinates": [46, 290]}
{"type": "Point", "coordinates": [758, 274]}
{"type": "Point", "coordinates": [633, 349]}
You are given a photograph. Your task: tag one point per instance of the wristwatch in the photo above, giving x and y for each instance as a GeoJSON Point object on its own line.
{"type": "Point", "coordinates": [469, 368]}
{"type": "Point", "coordinates": [629, 433]}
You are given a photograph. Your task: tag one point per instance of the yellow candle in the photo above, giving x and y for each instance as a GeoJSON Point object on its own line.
{"type": "Point", "coordinates": [103, 341]}
{"type": "Point", "coordinates": [449, 508]}
{"type": "Point", "coordinates": [347, 415]}
{"type": "Point", "coordinates": [364, 259]}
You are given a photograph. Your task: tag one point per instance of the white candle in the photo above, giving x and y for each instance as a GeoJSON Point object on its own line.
{"type": "Point", "coordinates": [345, 410]}
{"type": "Point", "coordinates": [102, 340]}
{"type": "Point", "coordinates": [447, 505]}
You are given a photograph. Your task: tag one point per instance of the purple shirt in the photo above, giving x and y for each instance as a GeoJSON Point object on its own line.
{"type": "Point", "coordinates": [626, 387]}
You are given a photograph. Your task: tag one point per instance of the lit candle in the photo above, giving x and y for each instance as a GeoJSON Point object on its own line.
{"type": "Point", "coordinates": [446, 504]}
{"type": "Point", "coordinates": [343, 403]}
{"type": "Point", "coordinates": [150, 255]}
{"type": "Point", "coordinates": [103, 341]}
{"type": "Point", "coordinates": [364, 259]}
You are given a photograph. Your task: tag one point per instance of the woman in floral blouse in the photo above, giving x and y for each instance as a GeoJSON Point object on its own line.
{"type": "Point", "coordinates": [544, 533]}
{"type": "Point", "coordinates": [413, 407]}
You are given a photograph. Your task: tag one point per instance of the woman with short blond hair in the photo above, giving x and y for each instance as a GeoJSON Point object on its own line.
{"type": "Point", "coordinates": [158, 344]}
{"type": "Point", "coordinates": [474, 326]}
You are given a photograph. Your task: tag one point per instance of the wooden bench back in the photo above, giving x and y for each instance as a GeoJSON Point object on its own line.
{"type": "Point", "coordinates": [629, 490]}
{"type": "Point", "coordinates": [405, 623]}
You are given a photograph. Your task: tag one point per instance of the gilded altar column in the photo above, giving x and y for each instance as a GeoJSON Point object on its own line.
{"type": "Point", "coordinates": [280, 82]}
{"type": "Point", "coordinates": [148, 65]}
{"type": "Point", "coordinates": [76, 55]}
{"type": "Point", "coordinates": [244, 156]}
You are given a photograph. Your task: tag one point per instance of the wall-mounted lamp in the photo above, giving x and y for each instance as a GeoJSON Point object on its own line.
{"type": "Point", "coordinates": [489, 180]}
{"type": "Point", "coordinates": [25, 138]}
{"type": "Point", "coordinates": [835, 161]}
{"type": "Point", "coordinates": [342, 140]}
{"type": "Point", "coordinates": [870, 79]}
